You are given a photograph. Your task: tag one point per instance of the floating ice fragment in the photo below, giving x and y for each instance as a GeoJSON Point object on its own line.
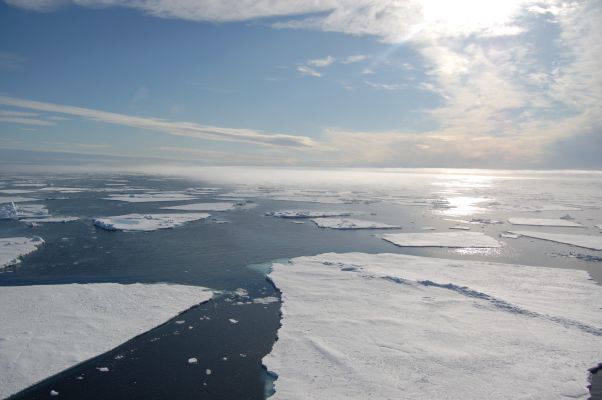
{"type": "Point", "coordinates": [147, 222]}
{"type": "Point", "coordinates": [508, 235]}
{"type": "Point", "coordinates": [103, 369]}
{"type": "Point", "coordinates": [544, 222]}
{"type": "Point", "coordinates": [460, 227]}
{"type": "Point", "coordinates": [442, 239]}
{"type": "Point", "coordinates": [202, 207]}
{"type": "Point", "coordinates": [233, 321]}
{"type": "Point", "coordinates": [349, 223]}
{"type": "Point", "coordinates": [265, 300]}
{"type": "Point", "coordinates": [192, 360]}
{"type": "Point", "coordinates": [586, 241]}
{"type": "Point", "coordinates": [54, 393]}
{"type": "Point", "coordinates": [207, 371]}
{"type": "Point", "coordinates": [307, 214]}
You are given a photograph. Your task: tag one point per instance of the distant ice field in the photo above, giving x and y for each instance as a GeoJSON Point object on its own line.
{"type": "Point", "coordinates": [206, 252]}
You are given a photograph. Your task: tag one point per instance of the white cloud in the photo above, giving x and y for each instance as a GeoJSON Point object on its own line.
{"type": "Point", "coordinates": [322, 62]}
{"type": "Point", "coordinates": [188, 129]}
{"type": "Point", "coordinates": [354, 59]}
{"type": "Point", "coordinates": [307, 71]}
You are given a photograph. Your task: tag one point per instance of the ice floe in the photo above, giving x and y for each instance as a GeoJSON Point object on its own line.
{"type": "Point", "coordinates": [442, 239]}
{"type": "Point", "coordinates": [13, 248]}
{"type": "Point", "coordinates": [149, 197]}
{"type": "Point", "coordinates": [48, 220]}
{"type": "Point", "coordinates": [53, 327]}
{"type": "Point", "coordinates": [12, 211]}
{"type": "Point", "coordinates": [222, 206]}
{"type": "Point", "coordinates": [16, 191]}
{"type": "Point", "coordinates": [586, 241]}
{"type": "Point", "coordinates": [15, 199]}
{"type": "Point", "coordinates": [460, 227]}
{"type": "Point", "coordinates": [307, 214]}
{"type": "Point", "coordinates": [385, 326]}
{"type": "Point", "coordinates": [350, 223]}
{"type": "Point", "coordinates": [146, 222]}
{"type": "Point", "coordinates": [544, 222]}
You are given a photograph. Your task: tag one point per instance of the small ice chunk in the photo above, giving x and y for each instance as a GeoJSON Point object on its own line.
{"type": "Point", "coordinates": [147, 222]}
{"type": "Point", "coordinates": [460, 227]}
{"type": "Point", "coordinates": [508, 235]}
{"type": "Point", "coordinates": [241, 292]}
{"type": "Point", "coordinates": [207, 371]}
{"type": "Point", "coordinates": [103, 369]}
{"type": "Point", "coordinates": [54, 393]}
{"type": "Point", "coordinates": [192, 360]}
{"type": "Point", "coordinates": [180, 322]}
{"type": "Point", "coordinates": [586, 241]}
{"type": "Point", "coordinates": [35, 221]}
{"type": "Point", "coordinates": [307, 214]}
{"type": "Point", "coordinates": [349, 223]}
{"type": "Point", "coordinates": [233, 321]}
{"type": "Point", "coordinates": [265, 300]}
{"type": "Point", "coordinates": [544, 222]}
{"type": "Point", "coordinates": [442, 239]}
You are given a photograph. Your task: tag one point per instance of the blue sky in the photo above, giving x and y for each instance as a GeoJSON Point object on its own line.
{"type": "Point", "coordinates": [328, 83]}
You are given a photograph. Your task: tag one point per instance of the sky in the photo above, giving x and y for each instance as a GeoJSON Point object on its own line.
{"type": "Point", "coordinates": [347, 83]}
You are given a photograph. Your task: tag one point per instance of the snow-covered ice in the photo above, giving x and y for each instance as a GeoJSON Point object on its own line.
{"type": "Point", "coordinates": [53, 327]}
{"type": "Point", "coordinates": [350, 223]}
{"type": "Point", "coordinates": [16, 191]}
{"type": "Point", "coordinates": [460, 227]}
{"type": "Point", "coordinates": [13, 211]}
{"type": "Point", "coordinates": [15, 199]}
{"type": "Point", "coordinates": [150, 197]}
{"type": "Point", "coordinates": [442, 239]}
{"type": "Point", "coordinates": [544, 222]}
{"type": "Point", "coordinates": [307, 214]}
{"type": "Point", "coordinates": [222, 206]}
{"type": "Point", "coordinates": [147, 222]}
{"type": "Point", "coordinates": [12, 248]}
{"type": "Point", "coordinates": [586, 241]}
{"type": "Point", "coordinates": [388, 326]}
{"type": "Point", "coordinates": [35, 221]}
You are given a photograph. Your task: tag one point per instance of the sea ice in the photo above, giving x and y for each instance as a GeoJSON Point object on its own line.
{"type": "Point", "coordinates": [544, 222]}
{"type": "Point", "coordinates": [146, 222]}
{"type": "Point", "coordinates": [12, 211]}
{"type": "Point", "coordinates": [460, 227]}
{"type": "Point", "coordinates": [16, 191]}
{"type": "Point", "coordinates": [350, 223]}
{"type": "Point", "coordinates": [202, 207]}
{"type": "Point", "coordinates": [442, 239]}
{"type": "Point", "coordinates": [586, 241]}
{"type": "Point", "coordinates": [53, 327]}
{"type": "Point", "coordinates": [307, 214]}
{"type": "Point", "coordinates": [149, 197]}
{"type": "Point", "coordinates": [35, 221]}
{"type": "Point", "coordinates": [15, 199]}
{"type": "Point", "coordinates": [12, 248]}
{"type": "Point", "coordinates": [388, 326]}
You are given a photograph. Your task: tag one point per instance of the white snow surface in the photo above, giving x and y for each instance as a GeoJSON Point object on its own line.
{"type": "Point", "coordinates": [389, 326]}
{"type": "Point", "coordinates": [54, 327]}
{"type": "Point", "coordinates": [13, 211]}
{"type": "Point", "coordinates": [586, 241]}
{"type": "Point", "coordinates": [544, 222]}
{"type": "Point", "coordinates": [12, 248]}
{"type": "Point", "coordinates": [307, 214]}
{"type": "Point", "coordinates": [350, 223]}
{"type": "Point", "coordinates": [147, 222]}
{"type": "Point", "coordinates": [442, 239]}
{"type": "Point", "coordinates": [150, 197]}
{"type": "Point", "coordinates": [221, 206]}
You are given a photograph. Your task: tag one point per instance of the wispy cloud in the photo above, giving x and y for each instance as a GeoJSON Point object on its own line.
{"type": "Point", "coordinates": [354, 59]}
{"type": "Point", "coordinates": [307, 71]}
{"type": "Point", "coordinates": [189, 129]}
{"type": "Point", "coordinates": [321, 62]}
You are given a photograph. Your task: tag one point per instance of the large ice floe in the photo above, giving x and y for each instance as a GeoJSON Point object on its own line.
{"type": "Point", "coordinates": [307, 214]}
{"type": "Point", "coordinates": [388, 326]}
{"type": "Point", "coordinates": [350, 223]}
{"type": "Point", "coordinates": [150, 197]}
{"type": "Point", "coordinates": [13, 248]}
{"type": "Point", "coordinates": [544, 222]}
{"type": "Point", "coordinates": [218, 206]}
{"type": "Point", "coordinates": [54, 327]}
{"type": "Point", "coordinates": [147, 222]}
{"type": "Point", "coordinates": [442, 239]}
{"type": "Point", "coordinates": [586, 241]}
